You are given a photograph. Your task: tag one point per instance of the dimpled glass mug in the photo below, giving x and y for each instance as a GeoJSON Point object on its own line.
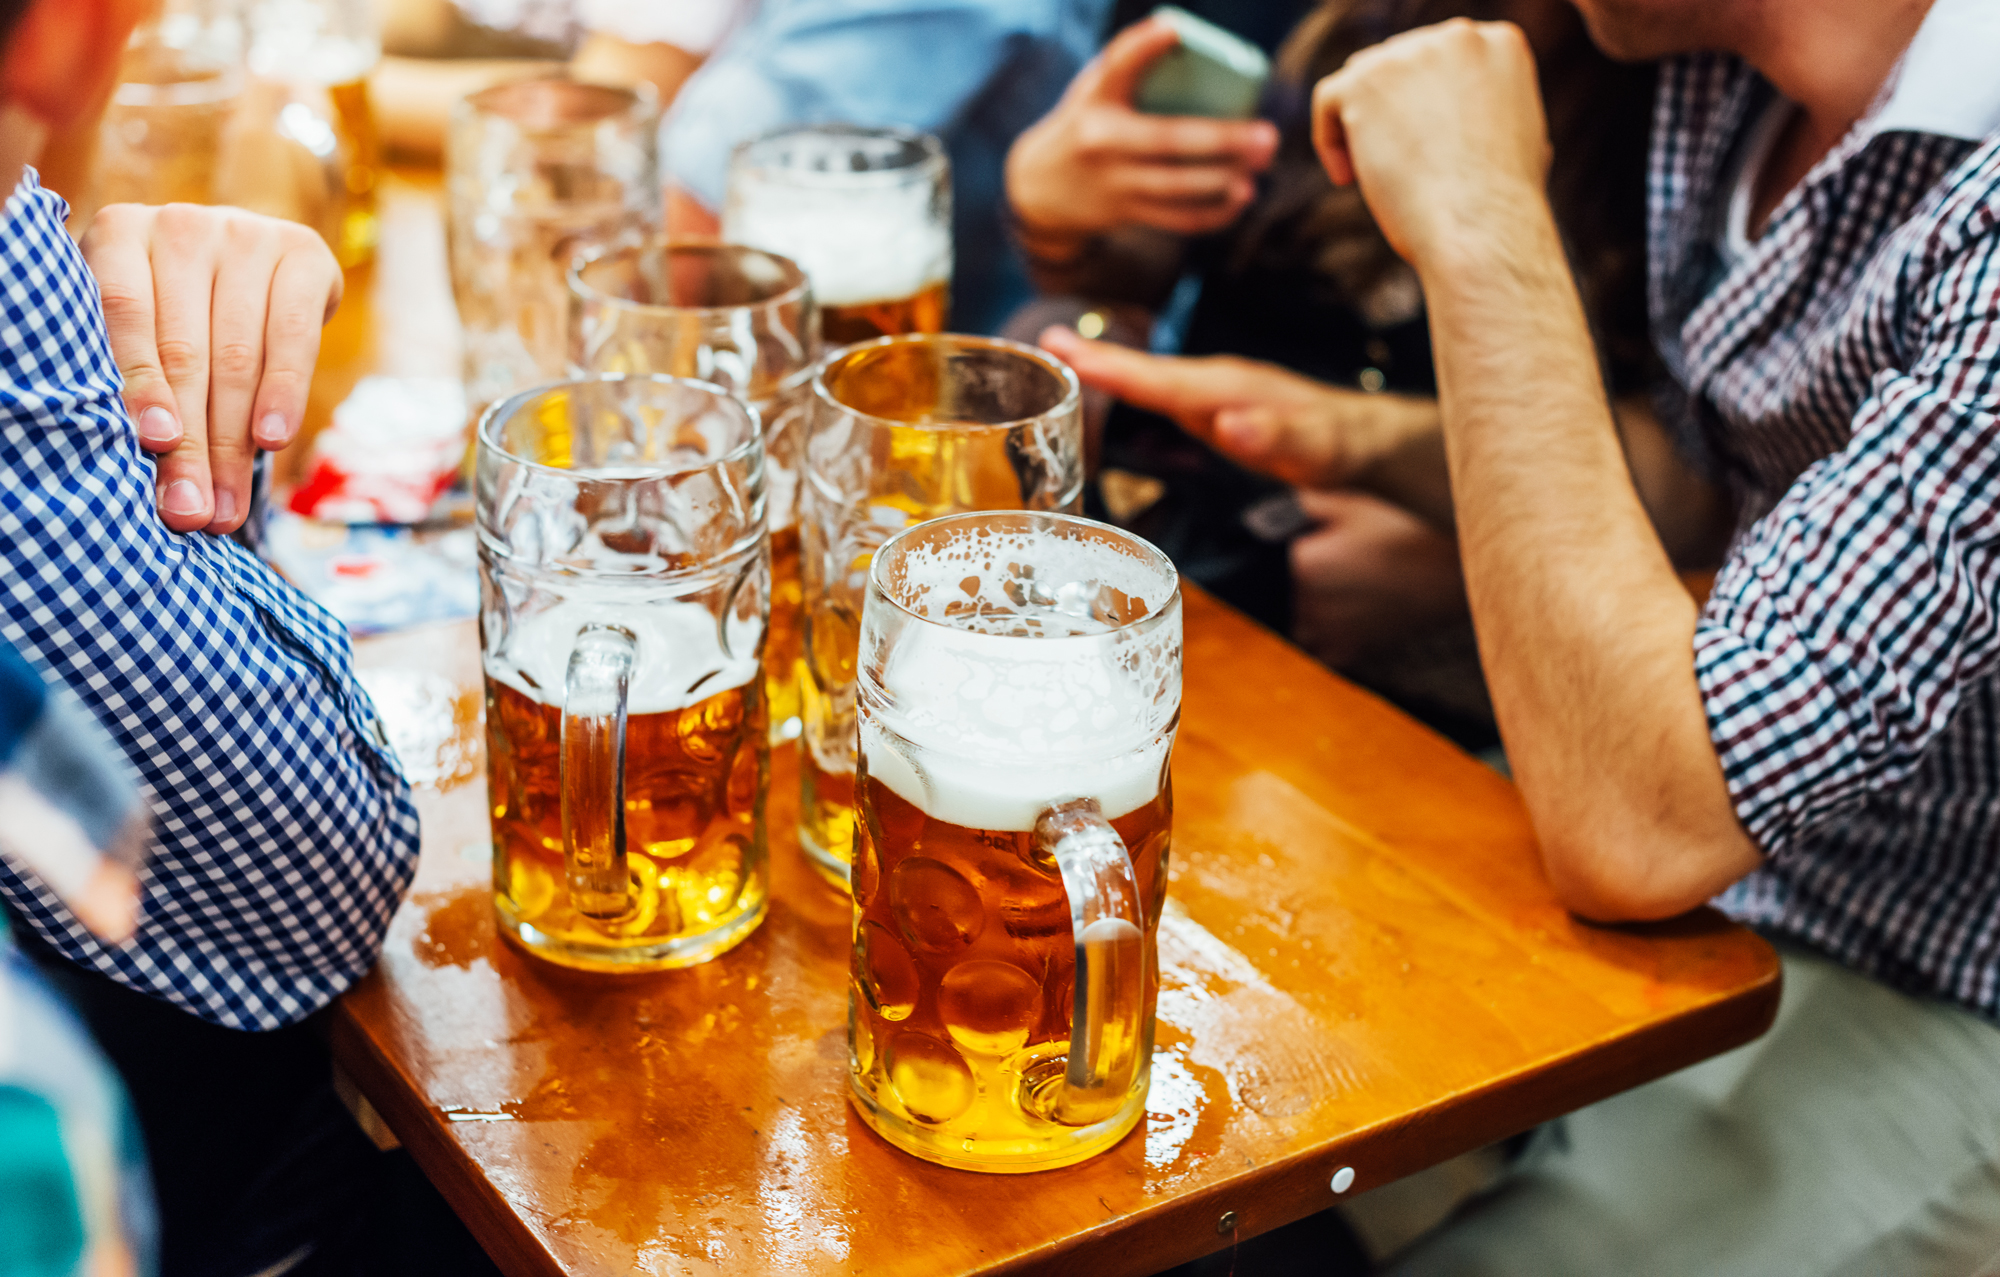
{"type": "Point", "coordinates": [624, 591]}
{"type": "Point", "coordinates": [1019, 689]}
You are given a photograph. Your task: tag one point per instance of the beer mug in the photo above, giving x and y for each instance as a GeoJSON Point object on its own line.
{"type": "Point", "coordinates": [905, 429]}
{"type": "Point", "coordinates": [532, 167]}
{"type": "Point", "coordinates": [1020, 684]}
{"type": "Point", "coordinates": [866, 213]}
{"type": "Point", "coordinates": [623, 580]}
{"type": "Point", "coordinates": [743, 319]}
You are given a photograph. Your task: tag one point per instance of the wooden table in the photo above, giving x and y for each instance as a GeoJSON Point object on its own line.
{"type": "Point", "coordinates": [1362, 967]}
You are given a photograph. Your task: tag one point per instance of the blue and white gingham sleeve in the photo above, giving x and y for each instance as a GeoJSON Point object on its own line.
{"type": "Point", "coordinates": [284, 835]}
{"type": "Point", "coordinates": [1849, 621]}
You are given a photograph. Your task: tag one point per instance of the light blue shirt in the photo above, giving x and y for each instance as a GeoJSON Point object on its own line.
{"type": "Point", "coordinates": [974, 72]}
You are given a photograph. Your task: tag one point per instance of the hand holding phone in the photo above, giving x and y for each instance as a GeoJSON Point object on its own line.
{"type": "Point", "coordinates": [1211, 72]}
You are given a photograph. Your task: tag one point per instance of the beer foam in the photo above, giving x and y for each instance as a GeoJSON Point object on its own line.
{"type": "Point", "coordinates": [857, 238]}
{"type": "Point", "coordinates": [982, 727]}
{"type": "Point", "coordinates": [681, 660]}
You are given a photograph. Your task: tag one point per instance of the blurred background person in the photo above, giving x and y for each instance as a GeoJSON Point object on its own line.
{"type": "Point", "coordinates": [1287, 306]}
{"type": "Point", "coordinates": [437, 51]}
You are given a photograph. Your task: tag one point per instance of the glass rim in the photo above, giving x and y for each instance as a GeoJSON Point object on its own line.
{"type": "Point", "coordinates": [798, 289]}
{"type": "Point", "coordinates": [933, 159]}
{"type": "Point", "coordinates": [502, 409]}
{"type": "Point", "coordinates": [1071, 401]}
{"type": "Point", "coordinates": [485, 102]}
{"type": "Point", "coordinates": [1150, 553]}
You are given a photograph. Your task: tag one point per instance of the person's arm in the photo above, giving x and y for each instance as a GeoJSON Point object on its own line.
{"type": "Point", "coordinates": [283, 834]}
{"type": "Point", "coordinates": [1585, 631]}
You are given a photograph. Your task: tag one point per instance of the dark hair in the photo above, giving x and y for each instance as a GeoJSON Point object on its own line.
{"type": "Point", "coordinates": [1599, 112]}
{"type": "Point", "coordinates": [10, 13]}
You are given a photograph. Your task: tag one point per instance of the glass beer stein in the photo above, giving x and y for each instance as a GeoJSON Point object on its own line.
{"type": "Point", "coordinates": [1020, 683]}
{"type": "Point", "coordinates": [866, 212]}
{"type": "Point", "coordinates": [744, 320]}
{"type": "Point", "coordinates": [905, 429]}
{"type": "Point", "coordinates": [623, 579]}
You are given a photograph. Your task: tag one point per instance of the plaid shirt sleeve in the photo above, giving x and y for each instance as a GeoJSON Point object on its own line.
{"type": "Point", "coordinates": [283, 833]}
{"type": "Point", "coordinates": [1850, 620]}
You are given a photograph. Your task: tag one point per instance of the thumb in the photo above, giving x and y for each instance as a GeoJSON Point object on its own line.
{"type": "Point", "coordinates": [1273, 441]}
{"type": "Point", "coordinates": [1117, 71]}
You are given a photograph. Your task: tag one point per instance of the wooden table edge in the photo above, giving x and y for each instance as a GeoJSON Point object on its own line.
{"type": "Point", "coordinates": [1301, 1185]}
{"type": "Point", "coordinates": [442, 1159]}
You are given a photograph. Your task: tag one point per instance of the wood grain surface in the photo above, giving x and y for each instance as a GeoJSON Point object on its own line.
{"type": "Point", "coordinates": [1362, 966]}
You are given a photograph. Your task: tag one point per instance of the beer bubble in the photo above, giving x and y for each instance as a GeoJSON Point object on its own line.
{"type": "Point", "coordinates": [860, 1036]}
{"type": "Point", "coordinates": [892, 984]}
{"type": "Point", "coordinates": [742, 789]}
{"type": "Point", "coordinates": [930, 1078]}
{"type": "Point", "coordinates": [937, 909]}
{"type": "Point", "coordinates": [989, 1007]}
{"type": "Point", "coordinates": [530, 886]}
{"type": "Point", "coordinates": [709, 882]}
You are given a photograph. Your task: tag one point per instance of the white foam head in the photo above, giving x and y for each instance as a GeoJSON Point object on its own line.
{"type": "Point", "coordinates": [680, 659]}
{"type": "Point", "coordinates": [859, 237]}
{"type": "Point", "coordinates": [1018, 692]}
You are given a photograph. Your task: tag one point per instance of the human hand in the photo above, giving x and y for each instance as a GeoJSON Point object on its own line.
{"type": "Point", "coordinates": [1368, 576]}
{"type": "Point", "coordinates": [1093, 163]}
{"type": "Point", "coordinates": [1259, 415]}
{"type": "Point", "coordinates": [1443, 129]}
{"type": "Point", "coordinates": [214, 317]}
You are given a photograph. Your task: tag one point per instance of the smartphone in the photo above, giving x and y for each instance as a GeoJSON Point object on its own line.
{"type": "Point", "coordinates": [1210, 72]}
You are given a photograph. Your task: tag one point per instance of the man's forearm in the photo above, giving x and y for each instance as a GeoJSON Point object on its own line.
{"type": "Point", "coordinates": [1585, 632]}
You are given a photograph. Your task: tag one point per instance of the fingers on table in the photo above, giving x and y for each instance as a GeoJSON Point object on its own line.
{"type": "Point", "coordinates": [183, 251]}
{"type": "Point", "coordinates": [117, 248]}
{"type": "Point", "coordinates": [250, 252]}
{"type": "Point", "coordinates": [304, 289]}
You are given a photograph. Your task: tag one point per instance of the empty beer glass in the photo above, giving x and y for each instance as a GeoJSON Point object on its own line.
{"type": "Point", "coordinates": [1020, 684]}
{"type": "Point", "coordinates": [622, 608]}
{"type": "Point", "coordinates": [532, 168]}
{"type": "Point", "coordinates": [866, 213]}
{"type": "Point", "coordinates": [743, 319]}
{"type": "Point", "coordinates": [905, 429]}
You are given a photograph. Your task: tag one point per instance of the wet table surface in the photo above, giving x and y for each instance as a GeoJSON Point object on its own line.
{"type": "Point", "coordinates": [1362, 967]}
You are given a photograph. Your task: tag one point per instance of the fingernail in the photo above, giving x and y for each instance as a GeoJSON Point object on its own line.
{"type": "Point", "coordinates": [182, 497]}
{"type": "Point", "coordinates": [272, 432]}
{"type": "Point", "coordinates": [157, 425]}
{"type": "Point", "coordinates": [225, 505]}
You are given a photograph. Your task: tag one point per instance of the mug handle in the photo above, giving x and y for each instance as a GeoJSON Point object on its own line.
{"type": "Point", "coordinates": [1106, 1033]}
{"type": "Point", "coordinates": [593, 771]}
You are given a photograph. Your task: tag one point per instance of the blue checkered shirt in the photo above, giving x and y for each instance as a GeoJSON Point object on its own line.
{"type": "Point", "coordinates": [283, 833]}
{"type": "Point", "coordinates": [1844, 376]}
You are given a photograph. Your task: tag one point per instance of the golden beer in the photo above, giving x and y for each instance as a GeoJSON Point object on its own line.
{"type": "Point", "coordinates": [922, 312]}
{"type": "Point", "coordinates": [1018, 690]}
{"type": "Point", "coordinates": [964, 965]}
{"type": "Point", "coordinates": [624, 581]}
{"type": "Point", "coordinates": [785, 641]}
{"type": "Point", "coordinates": [694, 781]}
{"type": "Point", "coordinates": [905, 430]}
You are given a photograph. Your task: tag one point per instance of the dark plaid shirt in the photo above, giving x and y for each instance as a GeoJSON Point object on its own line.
{"type": "Point", "coordinates": [1844, 376]}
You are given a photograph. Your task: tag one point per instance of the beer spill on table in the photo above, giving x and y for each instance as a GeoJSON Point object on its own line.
{"type": "Point", "coordinates": [694, 765]}
{"type": "Point", "coordinates": [964, 950]}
